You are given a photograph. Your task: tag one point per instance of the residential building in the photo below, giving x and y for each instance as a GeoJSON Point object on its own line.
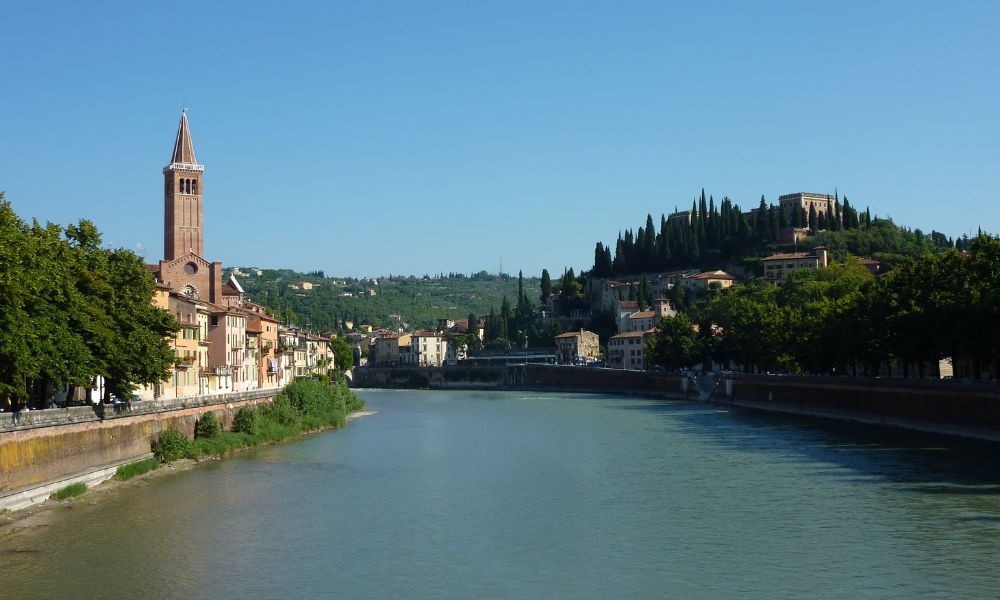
{"type": "Point", "coordinates": [576, 347]}
{"type": "Point", "coordinates": [642, 320]}
{"type": "Point", "coordinates": [778, 268]}
{"type": "Point", "coordinates": [269, 371]}
{"type": "Point", "coordinates": [385, 351]}
{"type": "Point", "coordinates": [709, 279]}
{"type": "Point", "coordinates": [624, 308]}
{"type": "Point", "coordinates": [428, 348]}
{"type": "Point", "coordinates": [185, 380]}
{"type": "Point", "coordinates": [627, 350]}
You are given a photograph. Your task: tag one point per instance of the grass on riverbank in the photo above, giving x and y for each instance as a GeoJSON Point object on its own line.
{"type": "Point", "coordinates": [126, 472]}
{"type": "Point", "coordinates": [69, 491]}
{"type": "Point", "coordinates": [304, 405]}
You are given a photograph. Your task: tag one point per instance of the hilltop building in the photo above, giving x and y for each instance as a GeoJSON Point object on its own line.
{"type": "Point", "coordinates": [805, 200]}
{"type": "Point", "coordinates": [778, 268]}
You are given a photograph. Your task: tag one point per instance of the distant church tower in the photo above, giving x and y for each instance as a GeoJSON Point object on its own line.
{"type": "Point", "coordinates": [182, 190]}
{"type": "Point", "coordinates": [184, 267]}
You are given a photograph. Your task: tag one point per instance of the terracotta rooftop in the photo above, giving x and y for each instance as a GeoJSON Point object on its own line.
{"type": "Point", "coordinates": [644, 314]}
{"type": "Point", "coordinates": [628, 304]}
{"type": "Point", "coordinates": [713, 275]}
{"type": "Point", "coordinates": [790, 256]}
{"type": "Point", "coordinates": [632, 334]}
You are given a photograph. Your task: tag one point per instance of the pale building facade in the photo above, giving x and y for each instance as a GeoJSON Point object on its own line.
{"type": "Point", "coordinates": [577, 347]}
{"type": "Point", "coordinates": [642, 320]}
{"type": "Point", "coordinates": [428, 349]}
{"type": "Point", "coordinates": [627, 350]}
{"type": "Point", "coordinates": [778, 268]}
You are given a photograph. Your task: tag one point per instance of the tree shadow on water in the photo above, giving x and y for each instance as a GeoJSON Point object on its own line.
{"type": "Point", "coordinates": [920, 462]}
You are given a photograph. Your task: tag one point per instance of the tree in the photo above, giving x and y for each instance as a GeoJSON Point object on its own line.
{"type": "Point", "coordinates": [546, 286]}
{"type": "Point", "coordinates": [73, 311]}
{"type": "Point", "coordinates": [675, 344]}
{"type": "Point", "coordinates": [343, 355]}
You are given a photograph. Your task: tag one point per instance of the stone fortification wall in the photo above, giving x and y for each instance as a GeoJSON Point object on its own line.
{"type": "Point", "coordinates": [54, 444]}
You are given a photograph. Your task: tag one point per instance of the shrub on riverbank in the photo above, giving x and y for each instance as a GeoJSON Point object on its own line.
{"type": "Point", "coordinates": [69, 491]}
{"type": "Point", "coordinates": [207, 426]}
{"type": "Point", "coordinates": [304, 405]}
{"type": "Point", "coordinates": [135, 469]}
{"type": "Point", "coordinates": [171, 445]}
{"type": "Point", "coordinates": [247, 420]}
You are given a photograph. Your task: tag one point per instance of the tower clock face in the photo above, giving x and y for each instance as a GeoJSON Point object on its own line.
{"type": "Point", "coordinates": [190, 268]}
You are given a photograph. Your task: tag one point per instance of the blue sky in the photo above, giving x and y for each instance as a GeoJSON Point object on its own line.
{"type": "Point", "coordinates": [415, 137]}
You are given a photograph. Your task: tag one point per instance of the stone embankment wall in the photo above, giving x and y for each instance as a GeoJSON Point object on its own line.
{"type": "Point", "coordinates": [967, 409]}
{"type": "Point", "coordinates": [39, 447]}
{"type": "Point", "coordinates": [524, 377]}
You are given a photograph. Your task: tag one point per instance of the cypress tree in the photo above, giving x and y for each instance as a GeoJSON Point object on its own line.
{"type": "Point", "coordinates": [762, 220]}
{"type": "Point", "coordinates": [643, 292]}
{"type": "Point", "coordinates": [812, 217]}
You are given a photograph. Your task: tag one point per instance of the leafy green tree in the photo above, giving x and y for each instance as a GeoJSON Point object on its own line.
{"type": "Point", "coordinates": [343, 355]}
{"type": "Point", "coordinates": [73, 311]}
{"type": "Point", "coordinates": [675, 344]}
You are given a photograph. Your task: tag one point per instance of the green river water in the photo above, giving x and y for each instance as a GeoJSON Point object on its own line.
{"type": "Point", "coordinates": [538, 495]}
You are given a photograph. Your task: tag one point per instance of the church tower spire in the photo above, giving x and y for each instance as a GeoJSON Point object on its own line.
{"type": "Point", "coordinates": [182, 192]}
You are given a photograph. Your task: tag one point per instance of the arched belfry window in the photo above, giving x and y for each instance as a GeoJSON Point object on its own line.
{"type": "Point", "coordinates": [194, 186]}
{"type": "Point", "coordinates": [187, 186]}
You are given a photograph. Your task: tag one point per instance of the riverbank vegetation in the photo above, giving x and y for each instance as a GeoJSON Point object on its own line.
{"type": "Point", "coordinates": [70, 491]}
{"type": "Point", "coordinates": [304, 405]}
{"type": "Point", "coordinates": [844, 320]}
{"type": "Point", "coordinates": [126, 472]}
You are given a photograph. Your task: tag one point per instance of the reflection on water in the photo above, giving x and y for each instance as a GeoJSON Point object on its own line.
{"type": "Point", "coordinates": [513, 495]}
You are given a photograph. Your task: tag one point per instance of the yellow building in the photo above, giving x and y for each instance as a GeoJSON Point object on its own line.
{"type": "Point", "coordinates": [778, 268]}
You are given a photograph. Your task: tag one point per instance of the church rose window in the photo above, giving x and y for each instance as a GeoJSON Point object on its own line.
{"type": "Point", "coordinates": [190, 268]}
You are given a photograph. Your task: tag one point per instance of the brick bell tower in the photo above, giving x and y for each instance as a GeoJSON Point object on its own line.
{"type": "Point", "coordinates": [182, 191]}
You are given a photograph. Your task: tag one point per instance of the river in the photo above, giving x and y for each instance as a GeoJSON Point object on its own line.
{"type": "Point", "coordinates": [538, 495]}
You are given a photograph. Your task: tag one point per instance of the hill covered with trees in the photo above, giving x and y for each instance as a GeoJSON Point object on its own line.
{"type": "Point", "coordinates": [843, 319]}
{"type": "Point", "coordinates": [321, 302]}
{"type": "Point", "coordinates": [723, 235]}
